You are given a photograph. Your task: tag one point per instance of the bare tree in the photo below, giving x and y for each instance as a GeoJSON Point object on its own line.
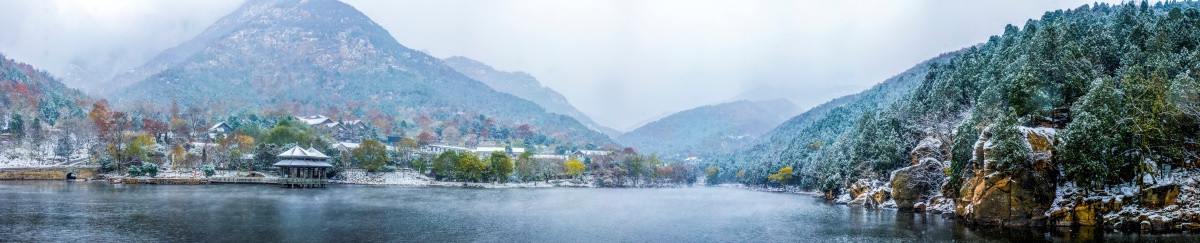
{"type": "Point", "coordinates": [1186, 92]}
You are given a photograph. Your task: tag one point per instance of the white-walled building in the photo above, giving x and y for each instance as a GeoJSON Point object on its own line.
{"type": "Point", "coordinates": [489, 150]}
{"type": "Point", "coordinates": [436, 149]}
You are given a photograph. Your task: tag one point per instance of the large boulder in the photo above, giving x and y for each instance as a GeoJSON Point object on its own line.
{"type": "Point", "coordinates": [1158, 196]}
{"type": "Point", "coordinates": [1018, 197]}
{"type": "Point", "coordinates": [914, 184]}
{"type": "Point", "coordinates": [929, 148]}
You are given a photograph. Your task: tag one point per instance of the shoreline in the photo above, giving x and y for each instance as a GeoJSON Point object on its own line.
{"type": "Point", "coordinates": [412, 179]}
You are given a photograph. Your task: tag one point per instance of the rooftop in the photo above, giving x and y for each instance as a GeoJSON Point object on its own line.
{"type": "Point", "coordinates": [301, 163]}
{"type": "Point", "coordinates": [302, 154]}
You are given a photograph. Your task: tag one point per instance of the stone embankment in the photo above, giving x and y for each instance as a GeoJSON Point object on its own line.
{"type": "Point", "coordinates": [50, 173]}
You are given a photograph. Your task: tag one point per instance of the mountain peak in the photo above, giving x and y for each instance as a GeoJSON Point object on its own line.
{"type": "Point", "coordinates": [310, 56]}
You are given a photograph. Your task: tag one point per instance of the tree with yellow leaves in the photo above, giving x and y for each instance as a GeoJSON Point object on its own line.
{"type": "Point", "coordinates": [573, 167]}
{"type": "Point", "coordinates": [712, 175]}
{"type": "Point", "coordinates": [139, 148]}
{"type": "Point", "coordinates": [178, 156]}
{"type": "Point", "coordinates": [245, 143]}
{"type": "Point", "coordinates": [782, 177]}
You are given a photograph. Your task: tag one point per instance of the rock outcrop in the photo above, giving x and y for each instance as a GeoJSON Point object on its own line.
{"type": "Point", "coordinates": [914, 186]}
{"type": "Point", "coordinates": [929, 148]}
{"type": "Point", "coordinates": [1157, 197]}
{"type": "Point", "coordinates": [917, 183]}
{"type": "Point", "coordinates": [869, 193]}
{"type": "Point", "coordinates": [1019, 197]}
{"type": "Point", "coordinates": [1073, 209]}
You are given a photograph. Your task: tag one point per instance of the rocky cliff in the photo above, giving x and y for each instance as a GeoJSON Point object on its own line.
{"type": "Point", "coordinates": [1015, 197]}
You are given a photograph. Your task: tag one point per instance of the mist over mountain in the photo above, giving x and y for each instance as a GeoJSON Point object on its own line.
{"type": "Point", "coordinates": [524, 86]}
{"type": "Point", "coordinates": [709, 129]}
{"type": "Point", "coordinates": [313, 56]}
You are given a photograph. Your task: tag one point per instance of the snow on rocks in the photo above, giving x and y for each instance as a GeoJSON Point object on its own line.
{"type": "Point", "coordinates": [1171, 205]}
{"type": "Point", "coordinates": [866, 192]}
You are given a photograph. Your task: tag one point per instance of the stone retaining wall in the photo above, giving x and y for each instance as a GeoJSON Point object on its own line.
{"type": "Point", "coordinates": [48, 173]}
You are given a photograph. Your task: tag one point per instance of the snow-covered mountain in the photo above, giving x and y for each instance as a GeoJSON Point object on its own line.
{"type": "Point", "coordinates": [314, 55]}
{"type": "Point", "coordinates": [524, 86]}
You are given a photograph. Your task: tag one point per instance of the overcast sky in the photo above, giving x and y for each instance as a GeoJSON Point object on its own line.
{"type": "Point", "coordinates": [620, 62]}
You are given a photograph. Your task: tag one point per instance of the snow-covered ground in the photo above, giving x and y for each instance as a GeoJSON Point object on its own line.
{"type": "Point", "coordinates": [19, 156]}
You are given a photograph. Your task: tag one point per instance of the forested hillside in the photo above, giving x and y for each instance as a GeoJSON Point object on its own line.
{"type": "Point", "coordinates": [30, 95]}
{"type": "Point", "coordinates": [1114, 87]}
{"type": "Point", "coordinates": [811, 134]}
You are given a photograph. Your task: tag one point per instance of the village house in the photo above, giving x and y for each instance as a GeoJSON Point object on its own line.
{"type": "Point", "coordinates": [347, 130]}
{"type": "Point", "coordinates": [315, 120]}
{"type": "Point", "coordinates": [351, 130]}
{"type": "Point", "coordinates": [393, 139]}
{"type": "Point", "coordinates": [219, 130]}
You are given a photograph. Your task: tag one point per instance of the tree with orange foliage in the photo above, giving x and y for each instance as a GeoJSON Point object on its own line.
{"type": "Point", "coordinates": [426, 139]}
{"type": "Point", "coordinates": [101, 115]}
{"type": "Point", "coordinates": [154, 127]}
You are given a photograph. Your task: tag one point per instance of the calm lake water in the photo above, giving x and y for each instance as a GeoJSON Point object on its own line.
{"type": "Point", "coordinates": [96, 211]}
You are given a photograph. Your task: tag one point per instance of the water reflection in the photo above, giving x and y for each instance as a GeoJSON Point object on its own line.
{"type": "Point", "coordinates": [88, 211]}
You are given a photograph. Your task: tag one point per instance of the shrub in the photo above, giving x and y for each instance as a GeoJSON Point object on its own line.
{"type": "Point", "coordinates": [208, 170]}
{"type": "Point", "coordinates": [150, 169]}
{"type": "Point", "coordinates": [107, 164]}
{"type": "Point", "coordinates": [134, 171]}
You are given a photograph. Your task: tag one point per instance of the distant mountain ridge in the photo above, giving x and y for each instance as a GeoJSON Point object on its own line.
{"type": "Point", "coordinates": [315, 54]}
{"type": "Point", "coordinates": [35, 93]}
{"type": "Point", "coordinates": [709, 128]}
{"type": "Point", "coordinates": [524, 86]}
